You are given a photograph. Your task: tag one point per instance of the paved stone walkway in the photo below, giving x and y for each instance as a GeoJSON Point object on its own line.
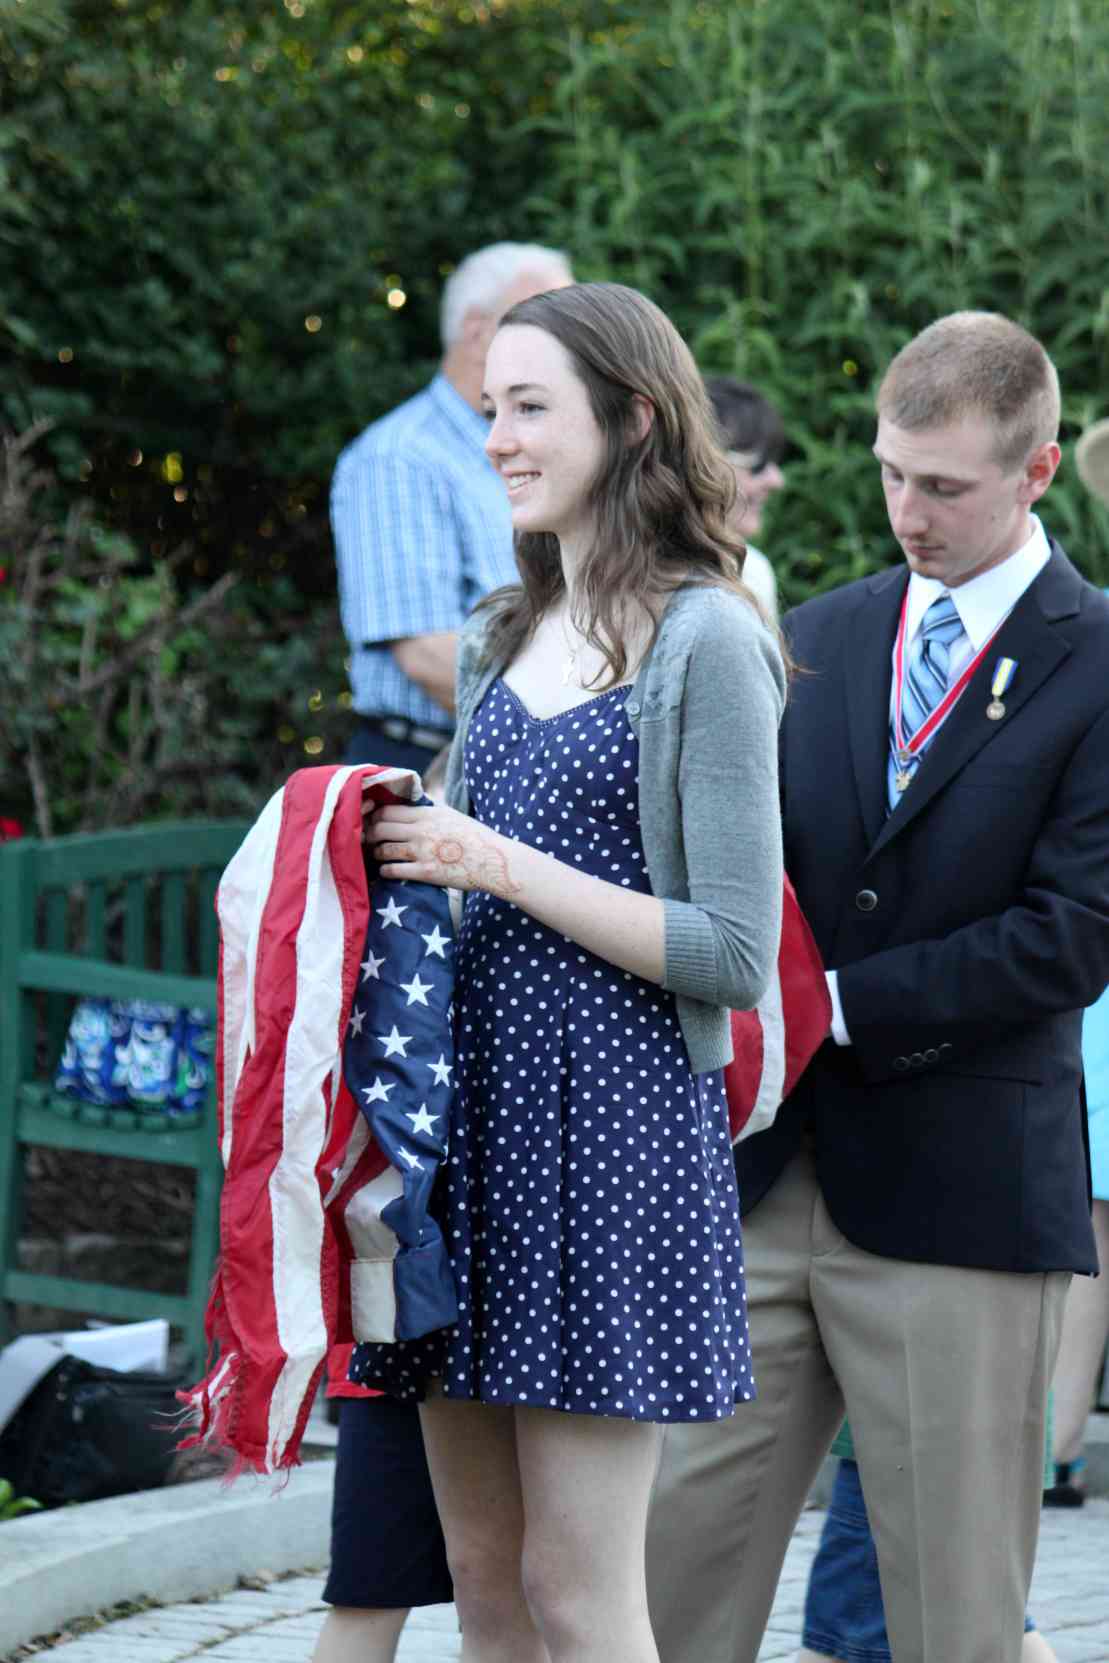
{"type": "Point", "coordinates": [1070, 1601]}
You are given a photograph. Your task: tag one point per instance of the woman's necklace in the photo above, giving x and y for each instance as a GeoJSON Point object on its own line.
{"type": "Point", "coordinates": [570, 676]}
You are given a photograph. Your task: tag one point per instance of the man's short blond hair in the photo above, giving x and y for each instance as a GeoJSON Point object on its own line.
{"type": "Point", "coordinates": [975, 363]}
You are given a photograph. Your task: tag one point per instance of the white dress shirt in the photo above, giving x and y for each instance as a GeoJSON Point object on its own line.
{"type": "Point", "coordinates": [982, 604]}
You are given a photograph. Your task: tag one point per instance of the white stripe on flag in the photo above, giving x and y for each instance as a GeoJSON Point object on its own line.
{"type": "Point", "coordinates": [240, 901]}
{"type": "Point", "coordinates": [401, 781]}
{"type": "Point", "coordinates": [359, 1138]}
{"type": "Point", "coordinates": [373, 1297]}
{"type": "Point", "coordinates": [772, 1083]}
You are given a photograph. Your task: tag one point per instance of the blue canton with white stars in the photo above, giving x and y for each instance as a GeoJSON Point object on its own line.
{"type": "Point", "coordinates": [398, 1063]}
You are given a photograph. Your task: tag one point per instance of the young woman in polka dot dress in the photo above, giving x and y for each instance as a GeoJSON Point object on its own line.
{"type": "Point", "coordinates": [615, 829]}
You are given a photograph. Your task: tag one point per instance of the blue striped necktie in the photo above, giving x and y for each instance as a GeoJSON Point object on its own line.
{"type": "Point", "coordinates": [925, 678]}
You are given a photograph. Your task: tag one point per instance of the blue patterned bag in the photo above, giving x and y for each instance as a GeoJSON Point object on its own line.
{"type": "Point", "coordinates": [133, 1053]}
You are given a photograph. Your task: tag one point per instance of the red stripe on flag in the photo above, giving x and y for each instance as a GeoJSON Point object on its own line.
{"type": "Point", "coordinates": [806, 1018]}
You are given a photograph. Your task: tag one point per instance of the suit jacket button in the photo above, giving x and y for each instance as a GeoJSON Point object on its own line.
{"type": "Point", "coordinates": [901, 1064]}
{"type": "Point", "coordinates": [917, 1059]}
{"type": "Point", "coordinates": [946, 1048]}
{"type": "Point", "coordinates": [866, 900]}
{"type": "Point", "coordinates": [931, 1055]}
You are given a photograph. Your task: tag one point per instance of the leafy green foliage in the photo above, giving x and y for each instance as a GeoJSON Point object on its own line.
{"type": "Point", "coordinates": [209, 209]}
{"type": "Point", "coordinates": [223, 232]}
{"type": "Point", "coordinates": [13, 1506]}
{"type": "Point", "coordinates": [803, 186]}
{"type": "Point", "coordinates": [125, 700]}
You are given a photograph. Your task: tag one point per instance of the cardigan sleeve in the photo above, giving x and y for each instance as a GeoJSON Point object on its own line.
{"type": "Point", "coordinates": [471, 643]}
{"type": "Point", "coordinates": [722, 944]}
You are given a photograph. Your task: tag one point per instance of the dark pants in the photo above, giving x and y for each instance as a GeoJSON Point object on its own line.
{"type": "Point", "coordinates": [368, 745]}
{"type": "Point", "coordinates": [386, 1545]}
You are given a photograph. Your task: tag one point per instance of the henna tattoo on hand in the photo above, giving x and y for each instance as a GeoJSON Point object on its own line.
{"type": "Point", "coordinates": [492, 871]}
{"type": "Point", "coordinates": [477, 863]}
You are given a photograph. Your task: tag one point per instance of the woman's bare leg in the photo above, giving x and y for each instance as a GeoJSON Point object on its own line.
{"type": "Point", "coordinates": [351, 1635]}
{"type": "Point", "coordinates": [471, 1453]}
{"type": "Point", "coordinates": [586, 1484]}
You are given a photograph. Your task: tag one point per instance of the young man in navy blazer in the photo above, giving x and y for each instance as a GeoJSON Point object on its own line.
{"type": "Point", "coordinates": [915, 1214]}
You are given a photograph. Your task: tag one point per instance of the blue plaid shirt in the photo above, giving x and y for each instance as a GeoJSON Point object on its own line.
{"type": "Point", "coordinates": [422, 531]}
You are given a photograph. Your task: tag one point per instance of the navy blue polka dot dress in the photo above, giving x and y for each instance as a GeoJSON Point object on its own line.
{"type": "Point", "coordinates": [591, 1206]}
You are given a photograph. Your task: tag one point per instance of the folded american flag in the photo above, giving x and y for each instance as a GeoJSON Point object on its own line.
{"type": "Point", "coordinates": [324, 1231]}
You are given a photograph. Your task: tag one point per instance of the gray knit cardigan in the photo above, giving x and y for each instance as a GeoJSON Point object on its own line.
{"type": "Point", "coordinates": [705, 707]}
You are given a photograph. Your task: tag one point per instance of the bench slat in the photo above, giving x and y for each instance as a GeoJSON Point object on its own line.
{"type": "Point", "coordinates": [207, 923]}
{"type": "Point", "coordinates": [172, 846]}
{"type": "Point", "coordinates": [56, 911]}
{"type": "Point", "coordinates": [59, 973]}
{"type": "Point", "coordinates": [69, 1294]}
{"type": "Point", "coordinates": [173, 923]}
{"type": "Point", "coordinates": [134, 921]}
{"type": "Point", "coordinates": [95, 917]}
{"type": "Point", "coordinates": [193, 1146]}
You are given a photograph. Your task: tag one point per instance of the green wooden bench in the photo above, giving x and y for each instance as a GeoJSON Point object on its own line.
{"type": "Point", "coordinates": [123, 915]}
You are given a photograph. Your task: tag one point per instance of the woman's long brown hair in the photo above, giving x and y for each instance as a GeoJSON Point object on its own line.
{"type": "Point", "coordinates": [660, 503]}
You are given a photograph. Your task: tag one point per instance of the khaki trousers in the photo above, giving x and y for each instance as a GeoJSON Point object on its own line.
{"type": "Point", "coordinates": [943, 1373]}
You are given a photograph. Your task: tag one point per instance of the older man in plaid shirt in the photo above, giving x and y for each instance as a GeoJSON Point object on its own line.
{"type": "Point", "coordinates": [421, 521]}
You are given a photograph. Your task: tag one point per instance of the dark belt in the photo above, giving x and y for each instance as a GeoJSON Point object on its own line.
{"type": "Point", "coordinates": [404, 732]}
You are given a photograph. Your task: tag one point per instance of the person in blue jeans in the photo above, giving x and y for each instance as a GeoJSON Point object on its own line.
{"type": "Point", "coordinates": [845, 1621]}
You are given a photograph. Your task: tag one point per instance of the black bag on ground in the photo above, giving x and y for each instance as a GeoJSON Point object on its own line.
{"type": "Point", "coordinates": [86, 1432]}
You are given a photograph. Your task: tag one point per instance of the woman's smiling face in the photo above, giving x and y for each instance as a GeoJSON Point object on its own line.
{"type": "Point", "coordinates": [544, 439]}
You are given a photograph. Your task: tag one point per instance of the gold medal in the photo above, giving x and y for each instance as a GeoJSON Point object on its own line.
{"type": "Point", "coordinates": [995, 710]}
{"type": "Point", "coordinates": [901, 780]}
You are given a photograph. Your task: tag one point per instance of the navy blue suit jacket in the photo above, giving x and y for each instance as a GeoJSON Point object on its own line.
{"type": "Point", "coordinates": [969, 928]}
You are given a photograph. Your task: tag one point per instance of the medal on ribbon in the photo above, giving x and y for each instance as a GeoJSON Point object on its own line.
{"type": "Point", "coordinates": [1004, 671]}
{"type": "Point", "coordinates": [907, 747]}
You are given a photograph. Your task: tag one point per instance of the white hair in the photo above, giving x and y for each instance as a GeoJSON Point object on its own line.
{"type": "Point", "coordinates": [480, 280]}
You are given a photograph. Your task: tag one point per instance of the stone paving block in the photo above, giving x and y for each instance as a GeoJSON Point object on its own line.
{"type": "Point", "coordinates": [236, 1615]}
{"type": "Point", "coordinates": [258, 1607]}
{"type": "Point", "coordinates": [103, 1646]}
{"type": "Point", "coordinates": [305, 1589]}
{"type": "Point", "coordinates": [305, 1622]}
{"type": "Point", "coordinates": [1074, 1649]}
{"type": "Point", "coordinates": [775, 1647]}
{"type": "Point", "coordinates": [79, 1651]}
{"type": "Point", "coordinates": [255, 1644]}
{"type": "Point", "coordinates": [240, 1648]}
{"type": "Point", "coordinates": [168, 1623]}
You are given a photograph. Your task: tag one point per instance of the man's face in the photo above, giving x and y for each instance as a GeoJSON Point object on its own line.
{"type": "Point", "coordinates": [952, 506]}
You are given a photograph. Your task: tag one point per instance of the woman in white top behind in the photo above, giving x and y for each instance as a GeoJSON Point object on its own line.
{"type": "Point", "coordinates": [754, 442]}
